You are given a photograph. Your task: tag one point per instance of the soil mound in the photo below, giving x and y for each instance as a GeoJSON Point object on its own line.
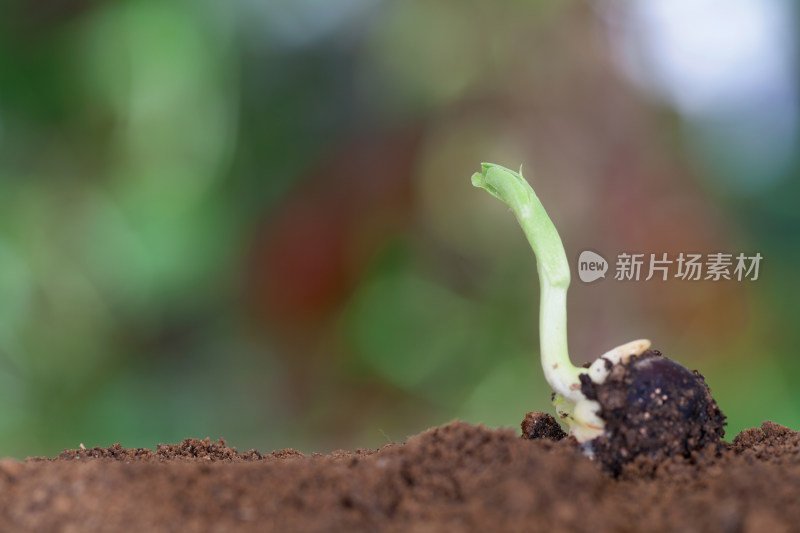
{"type": "Point", "coordinates": [456, 477]}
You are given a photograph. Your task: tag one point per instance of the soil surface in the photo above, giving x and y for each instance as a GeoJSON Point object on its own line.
{"type": "Point", "coordinates": [457, 477]}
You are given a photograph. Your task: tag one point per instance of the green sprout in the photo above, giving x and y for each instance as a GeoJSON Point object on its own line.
{"type": "Point", "coordinates": [580, 413]}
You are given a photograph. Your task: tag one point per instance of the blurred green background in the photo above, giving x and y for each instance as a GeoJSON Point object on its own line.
{"type": "Point", "coordinates": [254, 219]}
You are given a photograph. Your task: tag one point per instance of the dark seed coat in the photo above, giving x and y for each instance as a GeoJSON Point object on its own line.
{"type": "Point", "coordinates": [653, 407]}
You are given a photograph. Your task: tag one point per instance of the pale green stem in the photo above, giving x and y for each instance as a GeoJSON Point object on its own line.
{"type": "Point", "coordinates": [551, 260]}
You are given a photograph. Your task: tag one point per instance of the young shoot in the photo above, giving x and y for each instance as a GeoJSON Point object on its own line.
{"type": "Point", "coordinates": [579, 412]}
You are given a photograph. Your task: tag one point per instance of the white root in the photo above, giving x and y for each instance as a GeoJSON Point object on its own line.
{"type": "Point", "coordinates": [599, 370]}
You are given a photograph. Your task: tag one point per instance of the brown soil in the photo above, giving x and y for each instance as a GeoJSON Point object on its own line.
{"type": "Point", "coordinates": [456, 477]}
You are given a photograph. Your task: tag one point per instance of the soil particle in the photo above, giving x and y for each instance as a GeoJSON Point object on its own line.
{"type": "Point", "coordinates": [653, 408]}
{"type": "Point", "coordinates": [538, 425]}
{"type": "Point", "coordinates": [456, 477]}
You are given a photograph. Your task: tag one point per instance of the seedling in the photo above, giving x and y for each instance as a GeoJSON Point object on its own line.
{"type": "Point", "coordinates": [630, 400]}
